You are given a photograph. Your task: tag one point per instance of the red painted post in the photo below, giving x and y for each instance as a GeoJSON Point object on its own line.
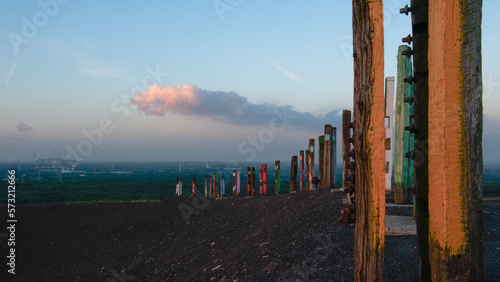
{"type": "Point", "coordinates": [264, 179]}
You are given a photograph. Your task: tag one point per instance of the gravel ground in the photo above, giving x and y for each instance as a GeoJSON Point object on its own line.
{"type": "Point", "coordinates": [285, 237]}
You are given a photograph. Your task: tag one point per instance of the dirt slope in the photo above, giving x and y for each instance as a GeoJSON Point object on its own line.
{"type": "Point", "coordinates": [285, 237]}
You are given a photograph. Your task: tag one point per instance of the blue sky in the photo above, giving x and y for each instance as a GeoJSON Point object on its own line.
{"type": "Point", "coordinates": [79, 63]}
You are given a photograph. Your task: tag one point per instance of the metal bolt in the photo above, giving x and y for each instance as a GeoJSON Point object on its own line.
{"type": "Point", "coordinates": [410, 155]}
{"type": "Point", "coordinates": [408, 52]}
{"type": "Point", "coordinates": [407, 39]}
{"type": "Point", "coordinates": [413, 188]}
{"type": "Point", "coordinates": [350, 166]}
{"type": "Point", "coordinates": [405, 10]}
{"type": "Point", "coordinates": [411, 128]}
{"type": "Point", "coordinates": [409, 100]}
{"type": "Point", "coordinates": [409, 79]}
{"type": "Point", "coordinates": [351, 154]}
{"type": "Point", "coordinates": [349, 178]}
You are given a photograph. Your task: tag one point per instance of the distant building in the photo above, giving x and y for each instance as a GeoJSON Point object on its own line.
{"type": "Point", "coordinates": [56, 164]}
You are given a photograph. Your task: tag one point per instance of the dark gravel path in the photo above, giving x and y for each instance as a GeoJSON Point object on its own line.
{"type": "Point", "coordinates": [285, 237]}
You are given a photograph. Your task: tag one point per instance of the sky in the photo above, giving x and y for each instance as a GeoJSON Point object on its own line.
{"type": "Point", "coordinates": [214, 80]}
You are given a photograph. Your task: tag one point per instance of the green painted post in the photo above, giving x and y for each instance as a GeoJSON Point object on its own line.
{"type": "Point", "coordinates": [402, 165]}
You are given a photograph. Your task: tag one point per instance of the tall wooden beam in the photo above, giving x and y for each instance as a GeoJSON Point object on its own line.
{"type": "Point", "coordinates": [456, 248]}
{"type": "Point", "coordinates": [311, 164]}
{"type": "Point", "coordinates": [301, 179]}
{"type": "Point", "coordinates": [321, 159]}
{"type": "Point", "coordinates": [333, 158]}
{"type": "Point", "coordinates": [327, 158]}
{"type": "Point", "coordinates": [346, 145]}
{"type": "Point", "coordinates": [419, 19]}
{"type": "Point", "coordinates": [369, 138]}
{"type": "Point", "coordinates": [277, 177]}
{"type": "Point", "coordinates": [389, 132]}
{"type": "Point", "coordinates": [403, 170]}
{"type": "Point", "coordinates": [293, 175]}
{"type": "Point", "coordinates": [308, 168]}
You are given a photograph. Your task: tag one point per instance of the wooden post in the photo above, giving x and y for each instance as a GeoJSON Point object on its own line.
{"type": "Point", "coordinates": [333, 158]}
{"type": "Point", "coordinates": [389, 132]}
{"type": "Point", "coordinates": [311, 164]}
{"type": "Point", "coordinates": [346, 145]}
{"type": "Point", "coordinates": [180, 186]}
{"type": "Point", "coordinates": [194, 186]}
{"type": "Point", "coordinates": [308, 168]}
{"type": "Point", "coordinates": [264, 179]}
{"type": "Point", "coordinates": [369, 138]}
{"type": "Point", "coordinates": [260, 180]}
{"type": "Point", "coordinates": [249, 181]}
{"type": "Point", "coordinates": [277, 177]}
{"type": "Point", "coordinates": [301, 179]}
{"type": "Point", "coordinates": [210, 193]}
{"type": "Point", "coordinates": [238, 183]}
{"type": "Point", "coordinates": [234, 183]}
{"type": "Point", "coordinates": [293, 175]}
{"type": "Point", "coordinates": [253, 182]}
{"type": "Point", "coordinates": [321, 164]}
{"type": "Point", "coordinates": [177, 187]}
{"type": "Point", "coordinates": [214, 179]}
{"type": "Point", "coordinates": [327, 158]}
{"type": "Point", "coordinates": [222, 185]}
{"type": "Point", "coordinates": [456, 247]}
{"type": "Point", "coordinates": [403, 169]}
{"type": "Point", "coordinates": [206, 190]}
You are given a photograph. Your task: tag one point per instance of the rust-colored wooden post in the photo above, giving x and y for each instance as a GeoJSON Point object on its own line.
{"type": "Point", "coordinates": [293, 175]}
{"type": "Point", "coordinates": [346, 145]}
{"type": "Point", "coordinates": [327, 158]}
{"type": "Point", "coordinates": [277, 178]}
{"type": "Point", "coordinates": [264, 179]}
{"type": "Point", "coordinates": [321, 164]}
{"type": "Point", "coordinates": [249, 181]}
{"type": "Point", "coordinates": [311, 164]}
{"type": "Point", "coordinates": [301, 179]}
{"type": "Point", "coordinates": [369, 138]}
{"type": "Point", "coordinates": [308, 168]}
{"type": "Point", "coordinates": [456, 247]}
